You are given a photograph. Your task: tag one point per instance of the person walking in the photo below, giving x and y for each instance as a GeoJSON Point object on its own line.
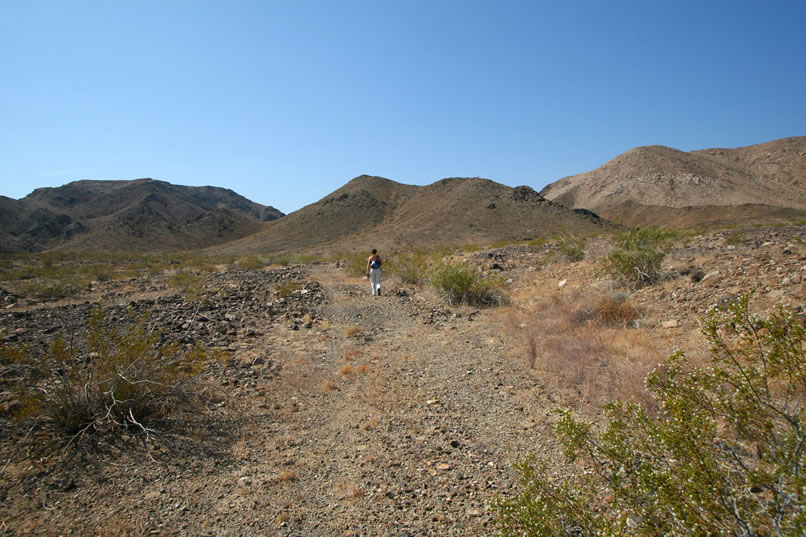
{"type": "Point", "coordinates": [374, 272]}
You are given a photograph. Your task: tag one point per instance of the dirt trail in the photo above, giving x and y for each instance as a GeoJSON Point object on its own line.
{"type": "Point", "coordinates": [350, 415]}
{"type": "Point", "coordinates": [403, 417]}
{"type": "Point", "coordinates": [393, 415]}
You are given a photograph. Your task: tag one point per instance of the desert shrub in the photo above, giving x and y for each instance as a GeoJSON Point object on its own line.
{"type": "Point", "coordinates": [189, 284]}
{"type": "Point", "coordinates": [45, 289]}
{"type": "Point", "coordinates": [724, 456]}
{"type": "Point", "coordinates": [502, 243]}
{"type": "Point", "coordinates": [355, 264]}
{"type": "Point", "coordinates": [411, 265]}
{"type": "Point", "coordinates": [615, 309]}
{"type": "Point", "coordinates": [734, 238]}
{"type": "Point", "coordinates": [287, 289]}
{"type": "Point", "coordinates": [571, 246]}
{"type": "Point", "coordinates": [252, 262]}
{"type": "Point", "coordinates": [440, 251]}
{"type": "Point", "coordinates": [549, 257]}
{"type": "Point", "coordinates": [200, 264]}
{"type": "Point", "coordinates": [102, 273]}
{"type": "Point", "coordinates": [113, 380]}
{"type": "Point", "coordinates": [638, 255]}
{"type": "Point", "coordinates": [462, 284]}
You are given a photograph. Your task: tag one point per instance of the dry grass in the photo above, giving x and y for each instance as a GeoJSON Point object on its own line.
{"type": "Point", "coordinates": [581, 347]}
{"type": "Point", "coordinates": [370, 424]}
{"type": "Point", "coordinates": [329, 386]}
{"type": "Point", "coordinates": [347, 371]}
{"type": "Point", "coordinates": [286, 475]}
{"type": "Point", "coordinates": [347, 492]}
{"type": "Point", "coordinates": [384, 394]}
{"type": "Point", "coordinates": [352, 331]}
{"type": "Point", "coordinates": [615, 309]}
{"type": "Point", "coordinates": [350, 354]}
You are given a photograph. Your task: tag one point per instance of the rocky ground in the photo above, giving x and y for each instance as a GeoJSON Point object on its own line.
{"type": "Point", "coordinates": [339, 413]}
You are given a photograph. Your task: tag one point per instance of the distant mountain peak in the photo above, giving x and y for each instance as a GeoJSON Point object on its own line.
{"type": "Point", "coordinates": [626, 188]}
{"type": "Point", "coordinates": [135, 215]}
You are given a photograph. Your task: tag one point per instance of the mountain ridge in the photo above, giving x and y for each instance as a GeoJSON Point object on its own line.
{"type": "Point", "coordinates": [385, 213]}
{"type": "Point", "coordinates": [770, 177]}
{"type": "Point", "coordinates": [135, 215]}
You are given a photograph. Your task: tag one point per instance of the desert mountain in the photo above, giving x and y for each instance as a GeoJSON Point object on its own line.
{"type": "Point", "coordinates": [376, 212]}
{"type": "Point", "coordinates": [663, 186]}
{"type": "Point", "coordinates": [138, 215]}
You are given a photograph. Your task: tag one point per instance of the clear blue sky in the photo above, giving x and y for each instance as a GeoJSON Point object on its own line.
{"type": "Point", "coordinates": [285, 101]}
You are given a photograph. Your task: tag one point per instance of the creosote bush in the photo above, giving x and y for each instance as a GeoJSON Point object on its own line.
{"type": "Point", "coordinates": [411, 265]}
{"type": "Point", "coordinates": [724, 456]}
{"type": "Point", "coordinates": [251, 262]}
{"type": "Point", "coordinates": [355, 264]}
{"type": "Point", "coordinates": [287, 289]}
{"type": "Point", "coordinates": [462, 284]}
{"type": "Point", "coordinates": [638, 255]}
{"type": "Point", "coordinates": [118, 381]}
{"type": "Point", "coordinates": [571, 246]}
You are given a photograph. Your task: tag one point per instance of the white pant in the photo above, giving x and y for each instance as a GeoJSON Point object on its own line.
{"type": "Point", "coordinates": [375, 280]}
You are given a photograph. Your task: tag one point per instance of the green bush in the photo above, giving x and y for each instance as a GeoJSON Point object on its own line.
{"type": "Point", "coordinates": [355, 264]}
{"type": "Point", "coordinates": [725, 456]}
{"type": "Point", "coordinates": [638, 255]}
{"type": "Point", "coordinates": [119, 381]}
{"type": "Point", "coordinates": [411, 266]}
{"type": "Point", "coordinates": [462, 284]}
{"type": "Point", "coordinates": [252, 262]}
{"type": "Point", "coordinates": [572, 247]}
{"type": "Point", "coordinates": [190, 284]}
{"type": "Point", "coordinates": [52, 289]}
{"type": "Point", "coordinates": [288, 288]}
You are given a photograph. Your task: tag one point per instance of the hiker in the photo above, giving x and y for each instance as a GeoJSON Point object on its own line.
{"type": "Point", "coordinates": [374, 272]}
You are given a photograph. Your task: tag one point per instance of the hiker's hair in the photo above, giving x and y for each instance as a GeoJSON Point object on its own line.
{"type": "Point", "coordinates": [374, 251]}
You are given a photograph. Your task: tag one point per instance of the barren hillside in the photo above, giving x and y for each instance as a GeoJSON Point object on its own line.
{"type": "Point", "coordinates": [141, 215]}
{"type": "Point", "coordinates": [384, 213]}
{"type": "Point", "coordinates": [663, 186]}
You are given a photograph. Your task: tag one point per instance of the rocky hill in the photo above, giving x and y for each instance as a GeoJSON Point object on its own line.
{"type": "Point", "coordinates": [384, 213]}
{"type": "Point", "coordinates": [663, 186]}
{"type": "Point", "coordinates": [138, 215]}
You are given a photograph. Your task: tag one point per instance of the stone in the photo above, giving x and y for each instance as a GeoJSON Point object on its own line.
{"type": "Point", "coordinates": [670, 324]}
